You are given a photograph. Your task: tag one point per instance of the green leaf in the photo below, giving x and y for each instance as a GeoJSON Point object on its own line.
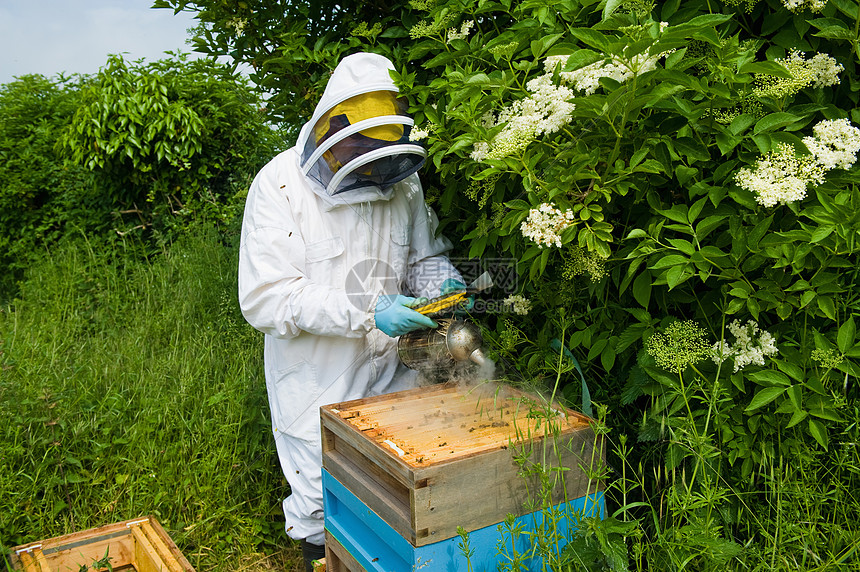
{"type": "Point", "coordinates": [774, 121]}
{"type": "Point", "coordinates": [726, 143]}
{"type": "Point", "coordinates": [677, 213]}
{"type": "Point", "coordinates": [764, 397]}
{"type": "Point", "coordinates": [702, 22]}
{"type": "Point", "coordinates": [581, 57]}
{"type": "Point", "coordinates": [611, 7]}
{"type": "Point", "coordinates": [542, 44]}
{"type": "Point", "coordinates": [793, 371]}
{"type": "Point", "coordinates": [790, 138]}
{"type": "Point", "coordinates": [769, 68]}
{"type": "Point", "coordinates": [591, 38]}
{"type": "Point", "coordinates": [753, 307]}
{"type": "Point", "coordinates": [795, 393]}
{"type": "Point", "coordinates": [642, 289]}
{"type": "Point", "coordinates": [819, 431]}
{"type": "Point", "coordinates": [676, 275]}
{"type": "Point", "coordinates": [835, 33]}
{"type": "Point", "coordinates": [480, 79]}
{"type": "Point", "coordinates": [825, 413]}
{"type": "Point", "coordinates": [684, 173]}
{"type": "Point", "coordinates": [825, 304]}
{"type": "Point", "coordinates": [796, 418]}
{"type": "Point", "coordinates": [631, 335]}
{"type": "Point", "coordinates": [846, 336]}
{"type": "Point", "coordinates": [735, 305]}
{"type": "Point", "coordinates": [696, 209]}
{"type": "Point", "coordinates": [708, 224]}
{"type": "Point", "coordinates": [821, 233]}
{"type": "Point", "coordinates": [670, 260]}
{"type": "Point", "coordinates": [478, 246]}
{"type": "Point", "coordinates": [461, 143]}
{"type": "Point", "coordinates": [607, 357]}
{"type": "Point", "coordinates": [769, 376]}
{"type": "Point", "coordinates": [691, 148]}
{"type": "Point", "coordinates": [757, 233]}
{"type": "Point", "coordinates": [741, 123]}
{"type": "Point", "coordinates": [847, 7]}
{"type": "Point", "coordinates": [684, 246]}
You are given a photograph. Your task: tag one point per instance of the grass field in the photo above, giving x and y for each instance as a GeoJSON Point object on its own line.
{"type": "Point", "coordinates": [131, 387]}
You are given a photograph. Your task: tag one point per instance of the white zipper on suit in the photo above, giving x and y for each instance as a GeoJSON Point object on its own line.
{"type": "Point", "coordinates": [366, 209]}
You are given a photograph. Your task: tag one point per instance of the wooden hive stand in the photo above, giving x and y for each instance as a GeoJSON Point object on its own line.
{"type": "Point", "coordinates": [140, 544]}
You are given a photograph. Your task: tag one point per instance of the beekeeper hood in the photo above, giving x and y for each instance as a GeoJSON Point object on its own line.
{"type": "Point", "coordinates": [358, 137]}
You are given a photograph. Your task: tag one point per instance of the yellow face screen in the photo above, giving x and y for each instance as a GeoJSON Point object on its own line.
{"type": "Point", "coordinates": [359, 108]}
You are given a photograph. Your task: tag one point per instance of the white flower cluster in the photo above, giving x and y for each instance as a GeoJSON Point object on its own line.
{"type": "Point", "coordinates": [835, 143]}
{"type": "Point", "coordinates": [545, 111]}
{"type": "Point", "coordinates": [237, 24]}
{"type": "Point", "coordinates": [587, 79]}
{"type": "Point", "coordinates": [620, 69]}
{"type": "Point", "coordinates": [480, 151]}
{"type": "Point", "coordinates": [545, 224]}
{"type": "Point", "coordinates": [548, 108]}
{"type": "Point", "coordinates": [826, 70]}
{"type": "Point", "coordinates": [819, 71]}
{"type": "Point", "coordinates": [748, 348]}
{"type": "Point", "coordinates": [798, 5]}
{"type": "Point", "coordinates": [418, 134]}
{"type": "Point", "coordinates": [518, 304]}
{"type": "Point", "coordinates": [782, 176]}
{"type": "Point", "coordinates": [453, 34]}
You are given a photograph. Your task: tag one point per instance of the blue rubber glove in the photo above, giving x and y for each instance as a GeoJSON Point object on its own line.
{"type": "Point", "coordinates": [452, 285]}
{"type": "Point", "coordinates": [394, 315]}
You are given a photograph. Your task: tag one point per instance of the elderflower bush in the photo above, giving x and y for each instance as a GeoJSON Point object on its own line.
{"type": "Point", "coordinates": [639, 161]}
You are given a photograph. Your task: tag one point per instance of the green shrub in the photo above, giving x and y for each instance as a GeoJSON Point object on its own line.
{"type": "Point", "coordinates": [35, 187]}
{"type": "Point", "coordinates": [167, 141]}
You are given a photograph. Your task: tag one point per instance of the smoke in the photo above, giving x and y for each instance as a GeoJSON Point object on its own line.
{"type": "Point", "coordinates": [465, 374]}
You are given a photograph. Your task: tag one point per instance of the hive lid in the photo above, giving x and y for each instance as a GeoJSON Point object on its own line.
{"type": "Point", "coordinates": [448, 422]}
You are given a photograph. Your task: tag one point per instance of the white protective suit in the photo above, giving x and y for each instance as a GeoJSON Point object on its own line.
{"type": "Point", "coordinates": [310, 269]}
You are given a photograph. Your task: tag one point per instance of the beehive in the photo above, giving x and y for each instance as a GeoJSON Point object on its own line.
{"type": "Point", "coordinates": [139, 544]}
{"type": "Point", "coordinates": [431, 459]}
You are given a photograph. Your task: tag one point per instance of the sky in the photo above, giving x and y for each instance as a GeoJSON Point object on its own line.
{"type": "Point", "coordinates": [76, 36]}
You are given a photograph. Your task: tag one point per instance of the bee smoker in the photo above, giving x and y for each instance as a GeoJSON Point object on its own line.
{"type": "Point", "coordinates": [439, 349]}
{"type": "Point", "coordinates": [454, 341]}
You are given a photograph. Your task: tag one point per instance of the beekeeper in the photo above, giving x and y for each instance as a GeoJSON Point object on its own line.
{"type": "Point", "coordinates": [337, 244]}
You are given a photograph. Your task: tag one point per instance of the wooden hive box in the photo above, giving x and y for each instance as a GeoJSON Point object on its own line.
{"type": "Point", "coordinates": [139, 544]}
{"type": "Point", "coordinates": [431, 459]}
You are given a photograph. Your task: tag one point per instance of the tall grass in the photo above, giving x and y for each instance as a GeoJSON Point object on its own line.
{"type": "Point", "coordinates": [133, 386]}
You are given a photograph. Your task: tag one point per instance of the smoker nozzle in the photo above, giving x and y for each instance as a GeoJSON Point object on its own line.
{"type": "Point", "coordinates": [478, 357]}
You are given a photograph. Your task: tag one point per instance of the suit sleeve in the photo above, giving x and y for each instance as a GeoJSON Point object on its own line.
{"type": "Point", "coordinates": [275, 294]}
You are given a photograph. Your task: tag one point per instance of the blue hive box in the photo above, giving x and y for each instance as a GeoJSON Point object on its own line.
{"type": "Point", "coordinates": [358, 540]}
